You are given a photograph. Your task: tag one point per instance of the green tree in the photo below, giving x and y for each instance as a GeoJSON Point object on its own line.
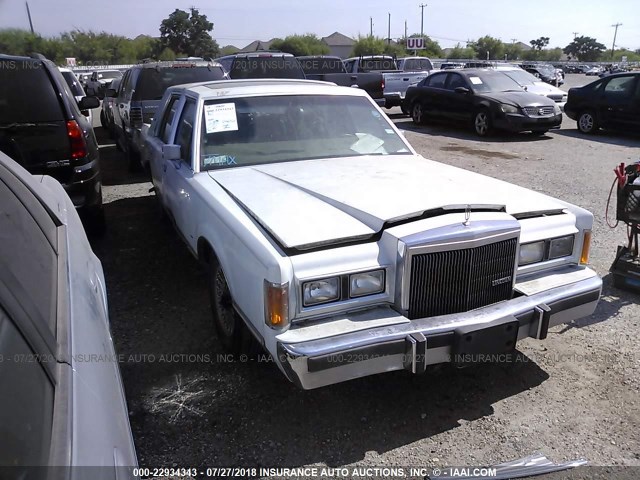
{"type": "Point", "coordinates": [299, 45]}
{"type": "Point", "coordinates": [229, 50]}
{"type": "Point", "coordinates": [552, 54]}
{"type": "Point", "coordinates": [188, 34]}
{"type": "Point", "coordinates": [369, 45]}
{"type": "Point", "coordinates": [512, 51]}
{"type": "Point", "coordinates": [585, 49]}
{"type": "Point", "coordinates": [540, 43]}
{"type": "Point", "coordinates": [493, 46]}
{"type": "Point", "coordinates": [461, 53]}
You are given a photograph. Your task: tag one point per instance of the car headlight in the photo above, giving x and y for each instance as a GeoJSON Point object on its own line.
{"type": "Point", "coordinates": [366, 283]}
{"type": "Point", "coordinates": [506, 108]}
{"type": "Point", "coordinates": [561, 247]}
{"type": "Point", "coordinates": [542, 250]}
{"type": "Point", "coordinates": [557, 109]}
{"type": "Point", "coordinates": [317, 292]}
{"type": "Point", "coordinates": [531, 253]}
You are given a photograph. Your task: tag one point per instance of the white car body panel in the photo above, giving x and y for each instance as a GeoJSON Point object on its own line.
{"type": "Point", "coordinates": [287, 223]}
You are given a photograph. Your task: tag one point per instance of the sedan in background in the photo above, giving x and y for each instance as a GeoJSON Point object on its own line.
{"type": "Point", "coordinates": [532, 84]}
{"type": "Point", "coordinates": [108, 106]}
{"type": "Point", "coordinates": [612, 102]}
{"type": "Point", "coordinates": [63, 402]}
{"type": "Point", "coordinates": [485, 99]}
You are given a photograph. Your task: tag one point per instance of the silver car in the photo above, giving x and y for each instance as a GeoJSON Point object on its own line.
{"type": "Point", "coordinates": [62, 401]}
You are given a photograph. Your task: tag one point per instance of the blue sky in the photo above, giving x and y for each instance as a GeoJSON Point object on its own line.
{"type": "Point", "coordinates": [447, 21]}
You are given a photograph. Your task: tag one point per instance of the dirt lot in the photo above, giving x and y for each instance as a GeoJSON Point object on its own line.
{"type": "Point", "coordinates": [575, 395]}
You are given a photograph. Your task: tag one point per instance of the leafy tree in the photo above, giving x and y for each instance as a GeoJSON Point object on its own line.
{"type": "Point", "coordinates": [552, 54]}
{"type": "Point", "coordinates": [188, 34]}
{"type": "Point", "coordinates": [369, 45]}
{"type": "Point", "coordinates": [540, 43]}
{"type": "Point", "coordinates": [585, 49]}
{"type": "Point", "coordinates": [228, 50]}
{"type": "Point", "coordinates": [459, 53]}
{"type": "Point", "coordinates": [485, 44]}
{"type": "Point", "coordinates": [512, 51]}
{"type": "Point", "coordinates": [298, 45]}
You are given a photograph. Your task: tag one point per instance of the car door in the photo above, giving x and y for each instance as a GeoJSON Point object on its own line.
{"type": "Point", "coordinates": [432, 95]}
{"type": "Point", "coordinates": [178, 174]}
{"type": "Point", "coordinates": [159, 135]}
{"type": "Point", "coordinates": [457, 106]}
{"type": "Point", "coordinates": [615, 105]}
{"type": "Point", "coordinates": [123, 102]}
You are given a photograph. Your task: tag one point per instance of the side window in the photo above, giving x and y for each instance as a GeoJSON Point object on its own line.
{"type": "Point", "coordinates": [26, 407]}
{"type": "Point", "coordinates": [124, 84]}
{"type": "Point", "coordinates": [349, 65]}
{"type": "Point", "coordinates": [436, 81]}
{"type": "Point", "coordinates": [619, 87]}
{"type": "Point", "coordinates": [167, 119]}
{"type": "Point", "coordinates": [455, 80]}
{"type": "Point", "coordinates": [184, 133]}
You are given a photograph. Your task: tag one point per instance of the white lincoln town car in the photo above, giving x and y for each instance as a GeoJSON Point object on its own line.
{"type": "Point", "coordinates": [342, 252]}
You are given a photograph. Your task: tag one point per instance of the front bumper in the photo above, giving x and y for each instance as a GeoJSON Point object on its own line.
{"type": "Point", "coordinates": [412, 345]}
{"type": "Point", "coordinates": [393, 99]}
{"type": "Point", "coordinates": [519, 123]}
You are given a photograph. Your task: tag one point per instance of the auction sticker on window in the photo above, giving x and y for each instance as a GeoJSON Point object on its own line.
{"type": "Point", "coordinates": [476, 80]}
{"type": "Point", "coordinates": [220, 117]}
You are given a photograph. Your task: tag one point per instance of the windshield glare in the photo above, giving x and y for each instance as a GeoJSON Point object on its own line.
{"type": "Point", "coordinates": [258, 130]}
{"type": "Point", "coordinates": [73, 83]}
{"type": "Point", "coordinates": [493, 82]}
{"type": "Point", "coordinates": [522, 77]}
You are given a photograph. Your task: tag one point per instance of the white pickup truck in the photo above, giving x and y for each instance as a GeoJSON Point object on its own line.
{"type": "Point", "coordinates": [396, 80]}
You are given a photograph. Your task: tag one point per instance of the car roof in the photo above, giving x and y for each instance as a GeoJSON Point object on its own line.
{"type": "Point", "coordinates": [178, 64]}
{"type": "Point", "coordinates": [265, 87]}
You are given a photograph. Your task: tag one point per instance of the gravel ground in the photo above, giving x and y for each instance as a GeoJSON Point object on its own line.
{"type": "Point", "coordinates": [575, 395]}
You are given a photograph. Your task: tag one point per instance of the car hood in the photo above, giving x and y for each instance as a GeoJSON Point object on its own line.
{"type": "Point", "coordinates": [542, 88]}
{"type": "Point", "coordinates": [311, 203]}
{"type": "Point", "coordinates": [519, 98]}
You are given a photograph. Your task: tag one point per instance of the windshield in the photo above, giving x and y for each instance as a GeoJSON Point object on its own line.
{"type": "Point", "coordinates": [417, 64]}
{"type": "Point", "coordinates": [154, 81]}
{"type": "Point", "coordinates": [110, 74]}
{"type": "Point", "coordinates": [315, 66]}
{"type": "Point", "coordinates": [520, 76]}
{"type": "Point", "coordinates": [74, 84]}
{"type": "Point", "coordinates": [375, 64]}
{"type": "Point", "coordinates": [493, 82]}
{"type": "Point", "coordinates": [258, 130]}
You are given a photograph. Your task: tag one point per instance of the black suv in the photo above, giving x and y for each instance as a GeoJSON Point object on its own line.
{"type": "Point", "coordinates": [42, 128]}
{"type": "Point", "coordinates": [139, 95]}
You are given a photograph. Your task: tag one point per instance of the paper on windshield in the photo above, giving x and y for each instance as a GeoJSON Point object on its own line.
{"type": "Point", "coordinates": [476, 80]}
{"type": "Point", "coordinates": [367, 144]}
{"type": "Point", "coordinates": [220, 117]}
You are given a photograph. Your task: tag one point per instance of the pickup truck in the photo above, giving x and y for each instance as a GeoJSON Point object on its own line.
{"type": "Point", "coordinates": [396, 81]}
{"type": "Point", "coordinates": [331, 69]}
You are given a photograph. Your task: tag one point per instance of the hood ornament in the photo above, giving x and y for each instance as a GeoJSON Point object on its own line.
{"type": "Point", "coordinates": [467, 215]}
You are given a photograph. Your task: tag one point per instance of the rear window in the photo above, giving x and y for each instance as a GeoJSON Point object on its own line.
{"type": "Point", "coordinates": [266, 67]}
{"type": "Point", "coordinates": [74, 84]}
{"type": "Point", "coordinates": [418, 64]}
{"type": "Point", "coordinates": [375, 64]}
{"type": "Point", "coordinates": [316, 66]}
{"type": "Point", "coordinates": [154, 81]}
{"type": "Point", "coordinates": [26, 94]}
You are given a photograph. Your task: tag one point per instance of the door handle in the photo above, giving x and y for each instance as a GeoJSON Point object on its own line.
{"type": "Point", "coordinates": [405, 79]}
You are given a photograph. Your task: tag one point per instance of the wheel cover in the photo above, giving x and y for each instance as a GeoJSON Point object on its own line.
{"type": "Point", "coordinates": [223, 304]}
{"type": "Point", "coordinates": [482, 123]}
{"type": "Point", "coordinates": [586, 122]}
{"type": "Point", "coordinates": [417, 113]}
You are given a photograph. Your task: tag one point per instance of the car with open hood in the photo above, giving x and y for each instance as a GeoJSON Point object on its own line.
{"type": "Point", "coordinates": [329, 242]}
{"type": "Point", "coordinates": [485, 99]}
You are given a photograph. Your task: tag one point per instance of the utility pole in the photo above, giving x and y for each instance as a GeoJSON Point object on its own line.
{"type": "Point", "coordinates": [371, 26]}
{"type": "Point", "coordinates": [422, 5]}
{"type": "Point", "coordinates": [575, 35]}
{"type": "Point", "coordinates": [514, 40]}
{"type": "Point", "coordinates": [389, 31]}
{"type": "Point", "coordinates": [614, 38]}
{"type": "Point", "coordinates": [29, 15]}
{"type": "Point", "coordinates": [405, 31]}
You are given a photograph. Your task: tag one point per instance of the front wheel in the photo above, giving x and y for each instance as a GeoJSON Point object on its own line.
{"type": "Point", "coordinates": [587, 122]}
{"type": "Point", "coordinates": [404, 109]}
{"type": "Point", "coordinates": [482, 123]}
{"type": "Point", "coordinates": [232, 332]}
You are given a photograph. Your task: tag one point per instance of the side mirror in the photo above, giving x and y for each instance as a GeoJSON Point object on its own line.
{"type": "Point", "coordinates": [112, 93]}
{"type": "Point", "coordinates": [461, 90]}
{"type": "Point", "coordinates": [171, 152]}
{"type": "Point", "coordinates": [87, 103]}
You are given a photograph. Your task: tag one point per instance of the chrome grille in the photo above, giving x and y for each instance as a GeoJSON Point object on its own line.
{"type": "Point", "coordinates": [539, 111]}
{"type": "Point", "coordinates": [460, 280]}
